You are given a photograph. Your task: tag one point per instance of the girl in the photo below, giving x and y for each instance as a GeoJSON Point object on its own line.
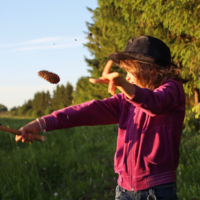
{"type": "Point", "coordinates": [150, 113]}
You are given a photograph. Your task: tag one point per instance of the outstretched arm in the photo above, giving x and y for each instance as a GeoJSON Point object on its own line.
{"type": "Point", "coordinates": [114, 81]}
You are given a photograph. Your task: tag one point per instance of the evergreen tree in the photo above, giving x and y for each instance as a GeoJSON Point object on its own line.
{"type": "Point", "coordinates": [100, 45]}
{"type": "Point", "coordinates": [174, 22]}
{"type": "Point", "coordinates": [40, 103]}
{"type": "Point", "coordinates": [24, 109]}
{"type": "Point", "coordinates": [62, 97]}
{"type": "Point", "coordinates": [55, 98]}
{"type": "Point", "coordinates": [84, 91]}
{"type": "Point", "coordinates": [177, 24]}
{"type": "Point", "coordinates": [68, 97]}
{"type": "Point", "coordinates": [47, 101]}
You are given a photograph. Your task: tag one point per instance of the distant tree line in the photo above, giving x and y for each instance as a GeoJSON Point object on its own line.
{"type": "Point", "coordinates": [3, 108]}
{"type": "Point", "coordinates": [43, 103]}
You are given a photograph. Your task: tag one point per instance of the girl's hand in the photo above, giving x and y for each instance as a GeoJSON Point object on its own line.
{"type": "Point", "coordinates": [112, 79]}
{"type": "Point", "coordinates": [32, 127]}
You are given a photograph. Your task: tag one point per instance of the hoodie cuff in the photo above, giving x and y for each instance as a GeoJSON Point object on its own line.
{"type": "Point", "coordinates": [51, 122]}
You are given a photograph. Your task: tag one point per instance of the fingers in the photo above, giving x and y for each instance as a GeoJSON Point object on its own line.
{"type": "Point", "coordinates": [105, 79]}
{"type": "Point", "coordinates": [99, 80]}
{"type": "Point", "coordinates": [107, 68]}
{"type": "Point", "coordinates": [111, 76]}
{"type": "Point", "coordinates": [27, 131]}
{"type": "Point", "coordinates": [25, 137]}
{"type": "Point", "coordinates": [30, 138]}
{"type": "Point", "coordinates": [18, 138]}
{"type": "Point", "coordinates": [111, 84]}
{"type": "Point", "coordinates": [112, 79]}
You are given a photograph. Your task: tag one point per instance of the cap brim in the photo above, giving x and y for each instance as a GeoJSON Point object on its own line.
{"type": "Point", "coordinates": [117, 56]}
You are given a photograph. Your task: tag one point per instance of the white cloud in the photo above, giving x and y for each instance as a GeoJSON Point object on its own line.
{"type": "Point", "coordinates": [51, 46]}
{"type": "Point", "coordinates": [47, 43]}
{"type": "Point", "coordinates": [43, 40]}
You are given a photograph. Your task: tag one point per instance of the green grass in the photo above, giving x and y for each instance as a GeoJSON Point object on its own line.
{"type": "Point", "coordinates": [77, 164]}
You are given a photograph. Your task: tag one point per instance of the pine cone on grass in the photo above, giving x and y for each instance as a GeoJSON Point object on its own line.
{"type": "Point", "coordinates": [49, 76]}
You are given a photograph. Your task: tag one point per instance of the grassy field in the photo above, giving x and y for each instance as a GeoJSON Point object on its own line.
{"type": "Point", "coordinates": [77, 164]}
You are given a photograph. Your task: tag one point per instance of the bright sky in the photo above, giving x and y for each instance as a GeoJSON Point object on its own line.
{"type": "Point", "coordinates": [29, 30]}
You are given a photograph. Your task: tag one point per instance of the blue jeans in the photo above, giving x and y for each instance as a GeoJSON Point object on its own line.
{"type": "Point", "coordinates": [162, 192]}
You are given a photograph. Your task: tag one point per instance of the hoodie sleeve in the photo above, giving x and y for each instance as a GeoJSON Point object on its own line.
{"type": "Point", "coordinates": [170, 95]}
{"type": "Point", "coordinates": [94, 112]}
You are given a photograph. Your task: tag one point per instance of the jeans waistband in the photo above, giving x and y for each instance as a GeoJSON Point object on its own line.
{"type": "Point", "coordinates": [153, 191]}
{"type": "Point", "coordinates": [167, 185]}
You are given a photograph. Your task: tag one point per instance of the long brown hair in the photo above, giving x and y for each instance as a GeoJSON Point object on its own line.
{"type": "Point", "coordinates": [151, 76]}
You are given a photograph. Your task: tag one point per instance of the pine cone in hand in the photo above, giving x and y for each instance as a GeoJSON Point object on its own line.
{"type": "Point", "coordinates": [49, 76]}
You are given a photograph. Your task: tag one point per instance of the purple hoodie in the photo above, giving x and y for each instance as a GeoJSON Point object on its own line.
{"type": "Point", "coordinates": [150, 128]}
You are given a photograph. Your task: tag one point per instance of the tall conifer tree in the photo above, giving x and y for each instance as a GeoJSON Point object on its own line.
{"type": "Point", "coordinates": [174, 22]}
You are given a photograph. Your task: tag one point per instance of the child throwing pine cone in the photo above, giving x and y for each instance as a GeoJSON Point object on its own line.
{"type": "Point", "coordinates": [149, 113]}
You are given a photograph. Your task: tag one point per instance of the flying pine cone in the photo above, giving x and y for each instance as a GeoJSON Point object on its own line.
{"type": "Point", "coordinates": [49, 76]}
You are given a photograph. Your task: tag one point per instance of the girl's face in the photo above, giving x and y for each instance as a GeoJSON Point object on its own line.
{"type": "Point", "coordinates": [132, 79]}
